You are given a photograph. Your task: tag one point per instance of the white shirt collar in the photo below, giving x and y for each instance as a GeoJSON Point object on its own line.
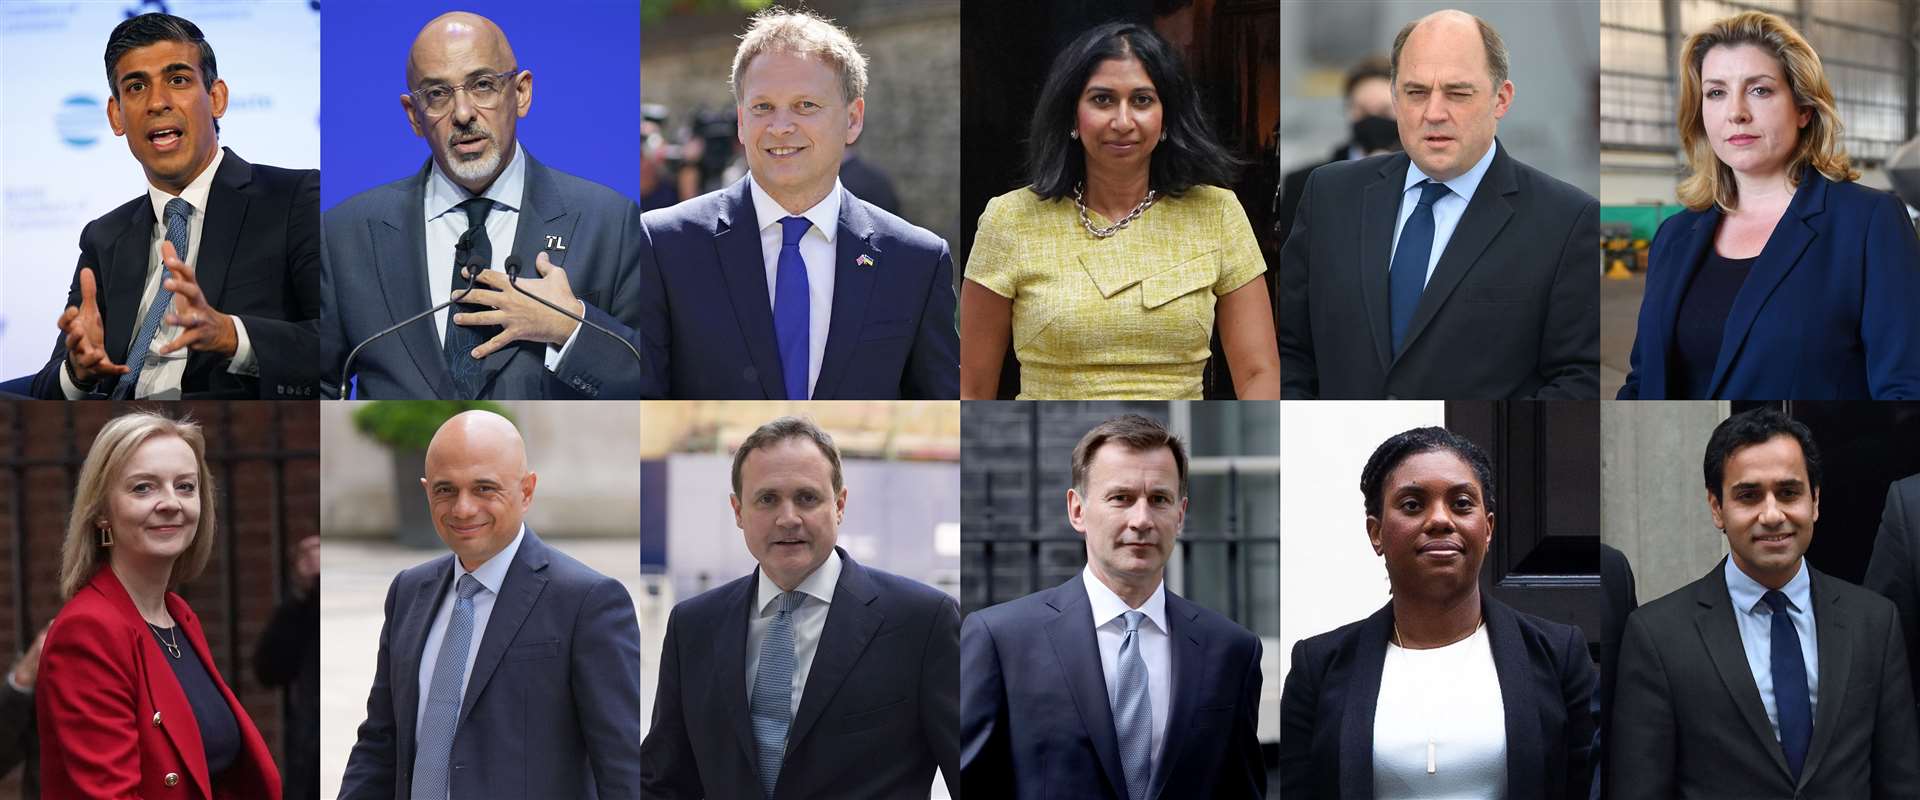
{"type": "Point", "coordinates": [493, 573]}
{"type": "Point", "coordinates": [444, 196]}
{"type": "Point", "coordinates": [825, 215]}
{"type": "Point", "coordinates": [820, 584]}
{"type": "Point", "coordinates": [1107, 606]}
{"type": "Point", "coordinates": [1746, 592]}
{"type": "Point", "coordinates": [1464, 185]}
{"type": "Point", "coordinates": [195, 194]}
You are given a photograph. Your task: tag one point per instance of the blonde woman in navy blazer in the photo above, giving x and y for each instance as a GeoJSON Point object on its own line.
{"type": "Point", "coordinates": [1784, 279]}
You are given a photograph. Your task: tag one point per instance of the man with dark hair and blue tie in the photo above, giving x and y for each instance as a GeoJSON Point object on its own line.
{"type": "Point", "coordinates": [1766, 678]}
{"type": "Point", "coordinates": [815, 676]}
{"type": "Point", "coordinates": [1071, 691]}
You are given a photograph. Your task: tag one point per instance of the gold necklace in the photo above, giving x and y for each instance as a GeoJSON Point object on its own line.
{"type": "Point", "coordinates": [171, 645]}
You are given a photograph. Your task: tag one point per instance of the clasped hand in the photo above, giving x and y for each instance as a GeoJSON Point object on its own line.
{"type": "Point", "coordinates": [521, 318]}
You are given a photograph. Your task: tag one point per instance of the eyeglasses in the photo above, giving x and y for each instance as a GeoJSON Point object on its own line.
{"type": "Point", "coordinates": [484, 91]}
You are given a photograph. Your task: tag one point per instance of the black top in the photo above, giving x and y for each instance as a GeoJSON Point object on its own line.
{"type": "Point", "coordinates": [1702, 322]}
{"type": "Point", "coordinates": [219, 733]}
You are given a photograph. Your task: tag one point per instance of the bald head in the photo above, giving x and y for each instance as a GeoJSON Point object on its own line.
{"type": "Point", "coordinates": [477, 483]}
{"type": "Point", "coordinates": [1454, 31]}
{"type": "Point", "coordinates": [457, 36]}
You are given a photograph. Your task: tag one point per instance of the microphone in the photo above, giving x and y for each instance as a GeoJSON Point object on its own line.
{"type": "Point", "coordinates": [513, 279]}
{"type": "Point", "coordinates": [463, 248]}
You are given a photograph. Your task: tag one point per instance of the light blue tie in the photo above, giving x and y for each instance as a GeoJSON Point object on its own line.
{"type": "Point", "coordinates": [1133, 711]}
{"type": "Point", "coordinates": [773, 692]}
{"type": "Point", "coordinates": [791, 308]}
{"type": "Point", "coordinates": [430, 759]}
{"type": "Point", "coordinates": [177, 212]}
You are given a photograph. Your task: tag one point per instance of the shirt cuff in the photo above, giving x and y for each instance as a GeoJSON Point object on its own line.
{"type": "Point", "coordinates": [243, 361]}
{"type": "Point", "coordinates": [555, 355]}
{"type": "Point", "coordinates": [72, 392]}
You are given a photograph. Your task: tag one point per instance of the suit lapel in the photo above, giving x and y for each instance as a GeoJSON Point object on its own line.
{"type": "Point", "coordinates": [1379, 210]}
{"type": "Point", "coordinates": [1791, 236]}
{"type": "Point", "coordinates": [1488, 211]}
{"type": "Point", "coordinates": [1721, 635]}
{"type": "Point", "coordinates": [1524, 731]}
{"type": "Point", "coordinates": [1190, 669]}
{"type": "Point", "coordinates": [744, 268]}
{"type": "Point", "coordinates": [421, 599]}
{"type": "Point", "coordinates": [1078, 651]}
{"type": "Point", "coordinates": [122, 282]}
{"type": "Point", "coordinates": [1363, 696]}
{"type": "Point", "coordinates": [1835, 646]}
{"type": "Point", "coordinates": [1666, 297]}
{"type": "Point", "coordinates": [526, 579]}
{"type": "Point", "coordinates": [220, 233]}
{"type": "Point", "coordinates": [852, 620]}
{"type": "Point", "coordinates": [852, 288]}
{"type": "Point", "coordinates": [542, 209]}
{"type": "Point", "coordinates": [730, 663]}
{"type": "Point", "coordinates": [400, 255]}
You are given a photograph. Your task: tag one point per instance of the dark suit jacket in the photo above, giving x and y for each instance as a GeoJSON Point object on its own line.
{"type": "Point", "coordinates": [1295, 184]}
{"type": "Point", "coordinates": [1512, 309]}
{"type": "Point", "coordinates": [1689, 722]}
{"type": "Point", "coordinates": [375, 251]}
{"type": "Point", "coordinates": [1546, 684]}
{"type": "Point", "coordinates": [19, 739]}
{"type": "Point", "coordinates": [1825, 314]}
{"type": "Point", "coordinates": [1036, 722]}
{"type": "Point", "coordinates": [552, 708]}
{"type": "Point", "coordinates": [878, 713]}
{"type": "Point", "coordinates": [709, 328]}
{"type": "Point", "coordinates": [259, 260]}
{"type": "Point", "coordinates": [1894, 571]}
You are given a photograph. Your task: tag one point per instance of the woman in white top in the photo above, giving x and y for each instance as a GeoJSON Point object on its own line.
{"type": "Point", "coordinates": [1444, 692]}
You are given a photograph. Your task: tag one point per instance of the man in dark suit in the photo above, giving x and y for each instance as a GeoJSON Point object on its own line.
{"type": "Point", "coordinates": [814, 676]}
{"type": "Point", "coordinates": [1369, 93]}
{"type": "Point", "coordinates": [506, 669]}
{"type": "Point", "coordinates": [1465, 273]}
{"type": "Point", "coordinates": [19, 739]}
{"type": "Point", "coordinates": [1072, 691]}
{"type": "Point", "coordinates": [1766, 678]}
{"type": "Point", "coordinates": [480, 204]}
{"type": "Point", "coordinates": [1893, 570]}
{"type": "Point", "coordinates": [209, 283]}
{"type": "Point", "coordinates": [785, 285]}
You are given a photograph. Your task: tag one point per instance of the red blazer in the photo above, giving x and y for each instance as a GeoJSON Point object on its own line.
{"type": "Point", "coordinates": [114, 722]}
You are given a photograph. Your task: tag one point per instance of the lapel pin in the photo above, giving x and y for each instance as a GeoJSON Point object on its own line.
{"type": "Point", "coordinates": [557, 243]}
{"type": "Point", "coordinates": [864, 261]}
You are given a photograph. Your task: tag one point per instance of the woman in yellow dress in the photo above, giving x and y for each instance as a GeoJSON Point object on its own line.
{"type": "Point", "coordinates": [1108, 271]}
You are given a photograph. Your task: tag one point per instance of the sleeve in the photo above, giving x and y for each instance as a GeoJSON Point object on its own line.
{"type": "Point", "coordinates": [286, 351]}
{"type": "Point", "coordinates": [986, 755]}
{"type": "Point", "coordinates": [933, 367]}
{"type": "Point", "coordinates": [1299, 378]}
{"type": "Point", "coordinates": [85, 701]}
{"type": "Point", "coordinates": [605, 675]}
{"type": "Point", "coordinates": [1890, 571]}
{"type": "Point", "coordinates": [283, 647]}
{"type": "Point", "coordinates": [1889, 329]}
{"type": "Point", "coordinates": [992, 261]}
{"type": "Point", "coordinates": [334, 346]}
{"type": "Point", "coordinates": [1644, 749]}
{"type": "Point", "coordinates": [1577, 684]}
{"type": "Point", "coordinates": [655, 324]}
{"type": "Point", "coordinates": [1249, 773]}
{"type": "Point", "coordinates": [52, 382]}
{"type": "Point", "coordinates": [1240, 257]}
{"type": "Point", "coordinates": [1570, 333]}
{"type": "Point", "coordinates": [668, 770]}
{"type": "Point", "coordinates": [16, 722]}
{"type": "Point", "coordinates": [1299, 712]}
{"type": "Point", "coordinates": [1896, 773]}
{"type": "Point", "coordinates": [940, 692]}
{"type": "Point", "coordinates": [370, 773]}
{"type": "Point", "coordinates": [596, 365]}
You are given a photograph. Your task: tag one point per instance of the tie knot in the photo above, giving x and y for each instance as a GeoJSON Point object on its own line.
{"type": "Point", "coordinates": [790, 601]}
{"type": "Point", "coordinates": [468, 586]}
{"type": "Point", "coordinates": [476, 209]}
{"type": "Point", "coordinates": [792, 228]}
{"type": "Point", "coordinates": [178, 208]}
{"type": "Point", "coordinates": [1431, 192]}
{"type": "Point", "coordinates": [1133, 620]}
{"type": "Point", "coordinates": [1775, 600]}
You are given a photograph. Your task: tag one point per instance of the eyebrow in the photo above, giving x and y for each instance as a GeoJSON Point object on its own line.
{"type": "Point", "coordinates": [1790, 483]}
{"type": "Point", "coordinates": [153, 476]}
{"type": "Point", "coordinates": [1102, 88]}
{"type": "Point", "coordinates": [141, 75]}
{"type": "Point", "coordinates": [477, 72]}
{"type": "Point", "coordinates": [1748, 79]}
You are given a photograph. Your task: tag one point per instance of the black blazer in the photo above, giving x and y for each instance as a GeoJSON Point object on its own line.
{"type": "Point", "coordinates": [259, 260]}
{"type": "Point", "coordinates": [1894, 571]}
{"type": "Point", "coordinates": [1036, 721]}
{"type": "Point", "coordinates": [880, 709]}
{"type": "Point", "coordinates": [1546, 684]}
{"type": "Point", "coordinates": [1689, 722]}
{"type": "Point", "coordinates": [1512, 309]}
{"type": "Point", "coordinates": [19, 738]}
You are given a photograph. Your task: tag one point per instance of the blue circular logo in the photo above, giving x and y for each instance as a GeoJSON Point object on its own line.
{"type": "Point", "coordinates": [80, 121]}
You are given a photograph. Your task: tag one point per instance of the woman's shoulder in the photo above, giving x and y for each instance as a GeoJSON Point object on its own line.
{"type": "Point", "coordinates": [1853, 195]}
{"type": "Point", "coordinates": [1203, 200]}
{"type": "Point", "coordinates": [1020, 202]}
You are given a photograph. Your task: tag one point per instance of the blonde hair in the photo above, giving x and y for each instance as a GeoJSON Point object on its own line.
{"type": "Point", "coordinates": [1710, 181]}
{"type": "Point", "coordinates": [81, 554]}
{"type": "Point", "coordinates": [802, 33]}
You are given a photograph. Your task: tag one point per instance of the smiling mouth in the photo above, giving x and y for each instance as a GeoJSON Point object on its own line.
{"type": "Point", "coordinates": [1773, 538]}
{"type": "Point", "coordinates": [783, 152]}
{"type": "Point", "coordinates": [1742, 139]}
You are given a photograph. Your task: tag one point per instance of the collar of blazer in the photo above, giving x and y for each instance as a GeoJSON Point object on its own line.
{"type": "Point", "coordinates": [744, 269]}
{"type": "Point", "coordinates": [1721, 636]}
{"type": "Point", "coordinates": [156, 671]}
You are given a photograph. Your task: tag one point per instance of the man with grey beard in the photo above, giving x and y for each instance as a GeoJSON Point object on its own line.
{"type": "Point", "coordinates": [480, 202]}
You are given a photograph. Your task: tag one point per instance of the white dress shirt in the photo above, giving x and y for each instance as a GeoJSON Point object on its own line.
{"type": "Point", "coordinates": [1447, 210]}
{"type": "Point", "coordinates": [1755, 620]}
{"type": "Point", "coordinates": [1449, 696]}
{"type": "Point", "coordinates": [490, 575]}
{"type": "Point", "coordinates": [816, 249]}
{"type": "Point", "coordinates": [447, 221]}
{"type": "Point", "coordinates": [809, 619]}
{"type": "Point", "coordinates": [161, 377]}
{"type": "Point", "coordinates": [1110, 626]}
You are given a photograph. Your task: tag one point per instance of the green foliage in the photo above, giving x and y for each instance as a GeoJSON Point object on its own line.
{"type": "Point", "coordinates": [410, 424]}
{"type": "Point", "coordinates": [656, 10]}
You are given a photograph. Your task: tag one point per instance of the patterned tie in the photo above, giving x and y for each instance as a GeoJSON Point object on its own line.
{"type": "Point", "coordinates": [1408, 277]}
{"type": "Point", "coordinates": [790, 326]}
{"type": "Point", "coordinates": [435, 741]}
{"type": "Point", "coordinates": [1133, 711]}
{"type": "Point", "coordinates": [773, 691]}
{"type": "Point", "coordinates": [1790, 699]}
{"type": "Point", "coordinates": [177, 212]}
{"type": "Point", "coordinates": [461, 339]}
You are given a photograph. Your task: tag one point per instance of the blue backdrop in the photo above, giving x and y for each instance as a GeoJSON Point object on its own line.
{"type": "Point", "coordinates": [585, 119]}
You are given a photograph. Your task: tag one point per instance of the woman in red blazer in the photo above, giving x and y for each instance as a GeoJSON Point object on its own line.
{"type": "Point", "coordinates": [130, 703]}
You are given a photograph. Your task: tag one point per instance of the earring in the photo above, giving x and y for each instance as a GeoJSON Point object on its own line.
{"type": "Point", "coordinates": [1163, 136]}
{"type": "Point", "coordinates": [1073, 134]}
{"type": "Point", "coordinates": [106, 536]}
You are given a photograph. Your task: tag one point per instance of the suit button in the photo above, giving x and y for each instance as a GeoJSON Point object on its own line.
{"type": "Point", "coordinates": [156, 719]}
{"type": "Point", "coordinates": [172, 779]}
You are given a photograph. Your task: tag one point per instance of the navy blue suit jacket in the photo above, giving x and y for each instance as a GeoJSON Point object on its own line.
{"type": "Point", "coordinates": [708, 326]}
{"type": "Point", "coordinates": [1036, 722]}
{"type": "Point", "coordinates": [1827, 312]}
{"type": "Point", "coordinates": [374, 252]}
{"type": "Point", "coordinates": [880, 709]}
{"type": "Point", "coordinates": [1546, 684]}
{"type": "Point", "coordinates": [552, 707]}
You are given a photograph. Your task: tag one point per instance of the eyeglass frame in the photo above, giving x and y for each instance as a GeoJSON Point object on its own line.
{"type": "Point", "coordinates": [426, 107]}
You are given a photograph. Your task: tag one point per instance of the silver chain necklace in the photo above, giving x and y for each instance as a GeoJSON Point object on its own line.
{"type": "Point", "coordinates": [1080, 202]}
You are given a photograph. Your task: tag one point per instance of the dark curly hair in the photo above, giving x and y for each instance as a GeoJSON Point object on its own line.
{"type": "Point", "coordinates": [1752, 427]}
{"type": "Point", "coordinates": [1397, 448]}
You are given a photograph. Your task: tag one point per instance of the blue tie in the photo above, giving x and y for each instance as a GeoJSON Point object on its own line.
{"type": "Point", "coordinates": [1409, 271]}
{"type": "Point", "coordinates": [1133, 711]}
{"type": "Point", "coordinates": [177, 212]}
{"type": "Point", "coordinates": [430, 759]}
{"type": "Point", "coordinates": [1790, 698]}
{"type": "Point", "coordinates": [790, 307]}
{"type": "Point", "coordinates": [458, 346]}
{"type": "Point", "coordinates": [773, 690]}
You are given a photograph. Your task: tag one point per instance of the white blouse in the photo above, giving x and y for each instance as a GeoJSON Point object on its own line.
{"type": "Point", "coordinates": [1440, 729]}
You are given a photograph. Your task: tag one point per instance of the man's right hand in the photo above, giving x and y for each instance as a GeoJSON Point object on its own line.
{"type": "Point", "coordinates": [28, 670]}
{"type": "Point", "coordinates": [86, 337]}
